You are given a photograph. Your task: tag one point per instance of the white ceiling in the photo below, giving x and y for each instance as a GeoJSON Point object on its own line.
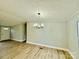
{"type": "Point", "coordinates": [13, 12]}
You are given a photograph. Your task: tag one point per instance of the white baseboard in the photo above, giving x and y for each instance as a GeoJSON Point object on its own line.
{"type": "Point", "coordinates": [17, 40]}
{"type": "Point", "coordinates": [53, 47]}
{"type": "Point", "coordinates": [47, 46]}
{"type": "Point", "coordinates": [5, 40]}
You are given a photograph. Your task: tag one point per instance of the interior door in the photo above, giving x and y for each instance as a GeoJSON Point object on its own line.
{"type": "Point", "coordinates": [5, 33]}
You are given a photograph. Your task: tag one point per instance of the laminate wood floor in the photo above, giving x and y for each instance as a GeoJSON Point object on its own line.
{"type": "Point", "coordinates": [17, 50]}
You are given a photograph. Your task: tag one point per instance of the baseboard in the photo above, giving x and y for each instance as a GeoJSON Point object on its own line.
{"type": "Point", "coordinates": [5, 40]}
{"type": "Point", "coordinates": [53, 47]}
{"type": "Point", "coordinates": [47, 46]}
{"type": "Point", "coordinates": [18, 40]}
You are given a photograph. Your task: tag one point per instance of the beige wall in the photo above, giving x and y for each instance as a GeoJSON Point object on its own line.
{"type": "Point", "coordinates": [53, 34]}
{"type": "Point", "coordinates": [18, 32]}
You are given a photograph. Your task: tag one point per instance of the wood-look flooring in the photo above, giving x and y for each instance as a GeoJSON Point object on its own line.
{"type": "Point", "coordinates": [17, 50]}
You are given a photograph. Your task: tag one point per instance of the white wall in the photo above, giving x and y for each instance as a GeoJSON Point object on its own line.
{"type": "Point", "coordinates": [18, 32]}
{"type": "Point", "coordinates": [53, 34]}
{"type": "Point", "coordinates": [72, 37]}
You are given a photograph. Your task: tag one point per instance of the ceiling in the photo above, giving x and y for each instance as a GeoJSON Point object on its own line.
{"type": "Point", "coordinates": [13, 12]}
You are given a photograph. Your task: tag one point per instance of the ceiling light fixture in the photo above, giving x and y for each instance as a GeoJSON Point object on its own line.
{"type": "Point", "coordinates": [38, 25]}
{"type": "Point", "coordinates": [38, 13]}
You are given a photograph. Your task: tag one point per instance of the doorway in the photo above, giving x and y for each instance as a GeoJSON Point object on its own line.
{"type": "Point", "coordinates": [5, 33]}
